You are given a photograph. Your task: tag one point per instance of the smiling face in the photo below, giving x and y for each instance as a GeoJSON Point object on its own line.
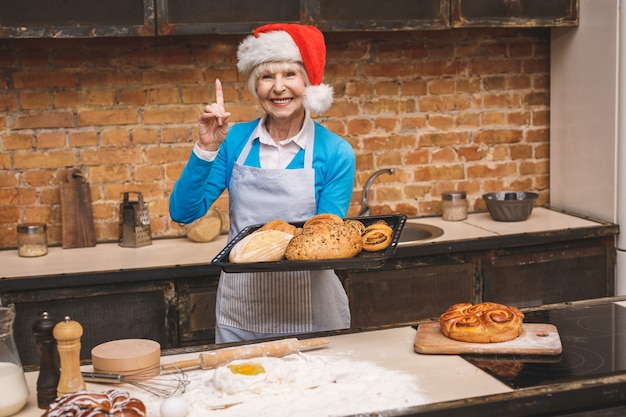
{"type": "Point", "coordinates": [279, 87]}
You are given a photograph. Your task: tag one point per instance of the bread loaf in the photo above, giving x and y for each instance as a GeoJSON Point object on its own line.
{"type": "Point", "coordinates": [481, 323]}
{"type": "Point", "coordinates": [325, 240]}
{"type": "Point", "coordinates": [260, 246]}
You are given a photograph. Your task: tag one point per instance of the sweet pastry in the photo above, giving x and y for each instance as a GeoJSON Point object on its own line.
{"type": "Point", "coordinates": [481, 323]}
{"type": "Point", "coordinates": [377, 236]}
{"type": "Point", "coordinates": [357, 224]}
{"type": "Point", "coordinates": [113, 403]}
{"type": "Point", "coordinates": [280, 225]}
{"type": "Point", "coordinates": [260, 246]}
{"type": "Point", "coordinates": [325, 240]}
{"type": "Point", "coordinates": [322, 218]}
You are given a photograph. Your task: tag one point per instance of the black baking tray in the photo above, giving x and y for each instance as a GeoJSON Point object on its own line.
{"type": "Point", "coordinates": [364, 260]}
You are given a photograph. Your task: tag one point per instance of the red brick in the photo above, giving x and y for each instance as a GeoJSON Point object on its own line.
{"type": "Point", "coordinates": [82, 139]}
{"type": "Point", "coordinates": [30, 100]}
{"type": "Point", "coordinates": [51, 140]}
{"type": "Point", "coordinates": [117, 116]}
{"type": "Point", "coordinates": [44, 79]}
{"type": "Point", "coordinates": [46, 159]}
{"type": "Point", "coordinates": [44, 120]}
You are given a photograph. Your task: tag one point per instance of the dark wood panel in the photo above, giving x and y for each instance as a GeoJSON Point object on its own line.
{"type": "Point", "coordinates": [538, 276]}
{"type": "Point", "coordinates": [76, 18]}
{"type": "Point", "coordinates": [196, 307]}
{"type": "Point", "coordinates": [234, 16]}
{"type": "Point", "coordinates": [379, 15]}
{"type": "Point", "coordinates": [519, 13]}
{"type": "Point", "coordinates": [408, 295]}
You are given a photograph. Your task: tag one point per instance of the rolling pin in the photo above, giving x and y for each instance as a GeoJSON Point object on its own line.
{"type": "Point", "coordinates": [277, 349]}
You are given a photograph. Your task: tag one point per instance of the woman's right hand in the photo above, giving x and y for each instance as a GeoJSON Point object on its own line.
{"type": "Point", "coordinates": [213, 122]}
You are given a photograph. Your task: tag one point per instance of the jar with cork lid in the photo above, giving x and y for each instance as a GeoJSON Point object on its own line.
{"type": "Point", "coordinates": [32, 240]}
{"type": "Point", "coordinates": [453, 206]}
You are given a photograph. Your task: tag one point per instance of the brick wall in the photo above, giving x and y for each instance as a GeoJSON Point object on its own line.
{"type": "Point", "coordinates": [458, 109]}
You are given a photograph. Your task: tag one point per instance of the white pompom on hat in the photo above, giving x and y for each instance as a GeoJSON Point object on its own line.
{"type": "Point", "coordinates": [290, 42]}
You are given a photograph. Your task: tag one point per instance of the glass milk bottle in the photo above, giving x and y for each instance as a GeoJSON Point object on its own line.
{"type": "Point", "coordinates": [12, 381]}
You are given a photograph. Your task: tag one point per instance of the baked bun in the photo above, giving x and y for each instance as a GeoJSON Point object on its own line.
{"type": "Point", "coordinates": [481, 323]}
{"type": "Point", "coordinates": [325, 240]}
{"type": "Point", "coordinates": [357, 224]}
{"type": "Point", "coordinates": [280, 225]}
{"type": "Point", "coordinates": [323, 218]}
{"type": "Point", "coordinates": [113, 403]}
{"type": "Point", "coordinates": [377, 236]}
{"type": "Point", "coordinates": [260, 246]}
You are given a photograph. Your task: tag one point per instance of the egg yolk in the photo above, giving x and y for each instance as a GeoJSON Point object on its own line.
{"type": "Point", "coordinates": [248, 369]}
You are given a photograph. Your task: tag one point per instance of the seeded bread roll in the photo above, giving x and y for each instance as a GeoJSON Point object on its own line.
{"type": "Point", "coordinates": [325, 241]}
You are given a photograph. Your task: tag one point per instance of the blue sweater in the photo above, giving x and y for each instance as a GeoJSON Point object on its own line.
{"type": "Point", "coordinates": [202, 182]}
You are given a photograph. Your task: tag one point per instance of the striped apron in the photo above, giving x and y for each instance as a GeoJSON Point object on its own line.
{"type": "Point", "coordinates": [260, 304]}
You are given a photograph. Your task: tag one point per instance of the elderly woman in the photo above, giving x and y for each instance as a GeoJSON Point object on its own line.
{"type": "Point", "coordinates": [281, 166]}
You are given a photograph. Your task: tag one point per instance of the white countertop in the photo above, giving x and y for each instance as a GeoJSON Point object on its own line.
{"type": "Point", "coordinates": [106, 257]}
{"type": "Point", "coordinates": [439, 377]}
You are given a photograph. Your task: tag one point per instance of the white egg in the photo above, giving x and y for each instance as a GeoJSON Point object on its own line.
{"type": "Point", "coordinates": [174, 407]}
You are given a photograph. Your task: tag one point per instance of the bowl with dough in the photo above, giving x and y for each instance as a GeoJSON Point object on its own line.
{"type": "Point", "coordinates": [510, 206]}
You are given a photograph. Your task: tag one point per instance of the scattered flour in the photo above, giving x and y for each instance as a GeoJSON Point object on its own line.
{"type": "Point", "coordinates": [296, 385]}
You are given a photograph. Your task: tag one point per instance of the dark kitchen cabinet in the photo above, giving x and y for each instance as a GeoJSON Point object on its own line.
{"type": "Point", "coordinates": [549, 274]}
{"type": "Point", "coordinates": [173, 306]}
{"type": "Point", "coordinates": [106, 312]}
{"type": "Point", "coordinates": [514, 13]}
{"type": "Point", "coordinates": [235, 16]}
{"type": "Point", "coordinates": [76, 18]}
{"type": "Point", "coordinates": [409, 289]}
{"type": "Point", "coordinates": [414, 288]}
{"type": "Point", "coordinates": [333, 15]}
{"type": "Point", "coordinates": [82, 18]}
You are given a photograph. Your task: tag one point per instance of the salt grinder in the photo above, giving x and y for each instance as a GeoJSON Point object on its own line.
{"type": "Point", "coordinates": [48, 360]}
{"type": "Point", "coordinates": [67, 334]}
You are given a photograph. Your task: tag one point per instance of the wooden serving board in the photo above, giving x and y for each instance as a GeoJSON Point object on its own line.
{"type": "Point", "coordinates": [536, 339]}
{"type": "Point", "coordinates": [77, 225]}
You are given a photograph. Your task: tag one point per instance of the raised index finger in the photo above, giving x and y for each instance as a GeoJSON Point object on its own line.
{"type": "Point", "coordinates": [219, 94]}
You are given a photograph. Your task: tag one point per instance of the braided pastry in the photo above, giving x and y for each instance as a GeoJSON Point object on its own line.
{"type": "Point", "coordinates": [481, 323]}
{"type": "Point", "coordinates": [113, 403]}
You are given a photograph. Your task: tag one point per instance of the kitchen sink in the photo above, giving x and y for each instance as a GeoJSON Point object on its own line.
{"type": "Point", "coordinates": [416, 232]}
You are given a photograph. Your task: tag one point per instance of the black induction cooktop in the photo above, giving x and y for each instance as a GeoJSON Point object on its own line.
{"type": "Point", "coordinates": [594, 345]}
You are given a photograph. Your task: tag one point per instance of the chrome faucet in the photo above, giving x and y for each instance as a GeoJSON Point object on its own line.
{"type": "Point", "coordinates": [365, 208]}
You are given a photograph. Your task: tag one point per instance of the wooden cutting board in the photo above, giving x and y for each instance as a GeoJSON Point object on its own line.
{"type": "Point", "coordinates": [536, 339]}
{"type": "Point", "coordinates": [76, 214]}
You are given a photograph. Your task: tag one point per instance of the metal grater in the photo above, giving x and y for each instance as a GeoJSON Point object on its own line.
{"type": "Point", "coordinates": [134, 222]}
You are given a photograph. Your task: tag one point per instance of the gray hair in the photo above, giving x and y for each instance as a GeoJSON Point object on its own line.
{"type": "Point", "coordinates": [274, 67]}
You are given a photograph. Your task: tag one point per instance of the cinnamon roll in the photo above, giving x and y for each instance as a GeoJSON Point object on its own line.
{"type": "Point", "coordinates": [481, 323]}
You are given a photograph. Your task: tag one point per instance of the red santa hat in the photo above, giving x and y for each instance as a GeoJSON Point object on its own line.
{"type": "Point", "coordinates": [290, 42]}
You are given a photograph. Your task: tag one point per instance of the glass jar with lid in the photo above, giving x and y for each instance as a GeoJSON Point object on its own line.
{"type": "Point", "coordinates": [453, 206]}
{"type": "Point", "coordinates": [32, 240]}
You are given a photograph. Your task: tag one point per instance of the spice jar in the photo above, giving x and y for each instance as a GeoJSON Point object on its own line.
{"type": "Point", "coordinates": [32, 240]}
{"type": "Point", "coordinates": [454, 206]}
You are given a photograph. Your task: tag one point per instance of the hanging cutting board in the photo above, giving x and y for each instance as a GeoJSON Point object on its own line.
{"type": "Point", "coordinates": [76, 214]}
{"type": "Point", "coordinates": [536, 339]}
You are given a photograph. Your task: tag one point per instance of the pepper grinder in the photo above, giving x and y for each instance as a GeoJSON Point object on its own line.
{"type": "Point", "coordinates": [67, 334]}
{"type": "Point", "coordinates": [48, 360]}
